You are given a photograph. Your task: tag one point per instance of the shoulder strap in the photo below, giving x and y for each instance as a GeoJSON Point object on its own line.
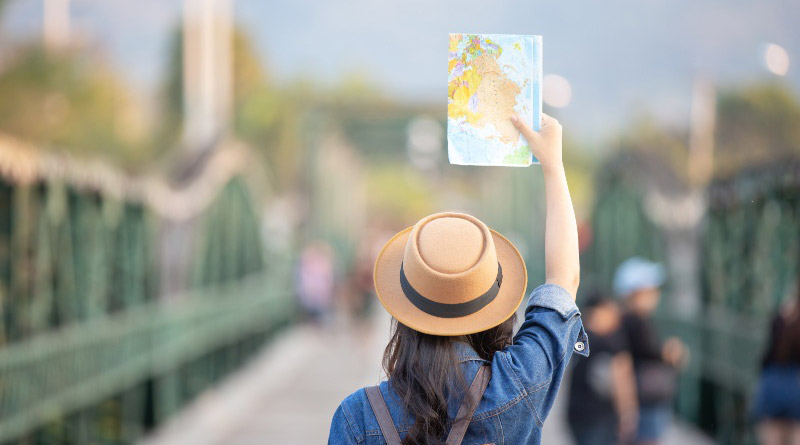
{"type": "Point", "coordinates": [469, 405]}
{"type": "Point", "coordinates": [382, 414]}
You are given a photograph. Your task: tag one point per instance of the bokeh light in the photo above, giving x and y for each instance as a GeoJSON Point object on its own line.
{"type": "Point", "coordinates": [776, 59]}
{"type": "Point", "coordinates": [557, 91]}
{"type": "Point", "coordinates": [424, 142]}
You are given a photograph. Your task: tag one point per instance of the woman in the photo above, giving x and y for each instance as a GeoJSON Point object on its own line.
{"type": "Point", "coordinates": [777, 404]}
{"type": "Point", "coordinates": [453, 286]}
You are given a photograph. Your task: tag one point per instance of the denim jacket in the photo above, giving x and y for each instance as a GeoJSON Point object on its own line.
{"type": "Point", "coordinates": [525, 379]}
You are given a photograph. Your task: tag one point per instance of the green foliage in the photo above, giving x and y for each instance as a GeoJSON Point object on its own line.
{"type": "Point", "coordinates": [270, 121]}
{"type": "Point", "coordinates": [249, 84]}
{"type": "Point", "coordinates": [399, 194]}
{"type": "Point", "coordinates": [265, 117]}
{"type": "Point", "coordinates": [756, 125]}
{"type": "Point", "coordinates": [67, 101]}
{"type": "Point", "coordinates": [168, 130]}
{"type": "Point", "coordinates": [354, 88]}
{"type": "Point", "coordinates": [580, 174]}
{"type": "Point", "coordinates": [249, 74]}
{"type": "Point", "coordinates": [270, 117]}
{"type": "Point", "coordinates": [662, 145]}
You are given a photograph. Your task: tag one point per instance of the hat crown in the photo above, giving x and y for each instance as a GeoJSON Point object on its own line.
{"type": "Point", "coordinates": [450, 245]}
{"type": "Point", "coordinates": [450, 258]}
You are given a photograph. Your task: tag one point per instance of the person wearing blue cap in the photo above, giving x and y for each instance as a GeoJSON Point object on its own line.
{"type": "Point", "coordinates": [637, 283]}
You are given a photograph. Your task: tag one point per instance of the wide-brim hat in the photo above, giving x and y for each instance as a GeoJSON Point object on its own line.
{"type": "Point", "coordinates": [450, 274]}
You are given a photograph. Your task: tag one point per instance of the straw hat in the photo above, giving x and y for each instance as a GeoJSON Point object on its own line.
{"type": "Point", "coordinates": [449, 274]}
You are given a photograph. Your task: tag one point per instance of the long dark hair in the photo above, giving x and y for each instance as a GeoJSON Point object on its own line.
{"type": "Point", "coordinates": [423, 370]}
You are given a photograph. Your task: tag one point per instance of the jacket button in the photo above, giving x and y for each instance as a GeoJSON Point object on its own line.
{"type": "Point", "coordinates": [579, 346]}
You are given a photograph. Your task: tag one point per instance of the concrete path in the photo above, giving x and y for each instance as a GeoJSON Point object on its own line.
{"type": "Point", "coordinates": [288, 393]}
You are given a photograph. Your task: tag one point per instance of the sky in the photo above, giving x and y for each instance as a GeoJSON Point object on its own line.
{"type": "Point", "coordinates": [623, 59]}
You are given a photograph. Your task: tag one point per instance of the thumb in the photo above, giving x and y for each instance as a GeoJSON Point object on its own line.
{"type": "Point", "coordinates": [530, 135]}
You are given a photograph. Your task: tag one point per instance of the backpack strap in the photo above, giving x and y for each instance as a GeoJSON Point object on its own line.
{"type": "Point", "coordinates": [459, 428]}
{"type": "Point", "coordinates": [469, 405]}
{"type": "Point", "coordinates": [381, 411]}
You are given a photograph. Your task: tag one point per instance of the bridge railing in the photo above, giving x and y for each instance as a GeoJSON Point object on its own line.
{"type": "Point", "coordinates": [747, 238]}
{"type": "Point", "coordinates": [123, 297]}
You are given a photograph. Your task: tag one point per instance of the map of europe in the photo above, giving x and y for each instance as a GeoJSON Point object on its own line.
{"type": "Point", "coordinates": [492, 77]}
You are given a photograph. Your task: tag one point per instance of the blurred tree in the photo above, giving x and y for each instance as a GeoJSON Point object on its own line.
{"type": "Point", "coordinates": [68, 101]}
{"type": "Point", "coordinates": [266, 117]}
{"type": "Point", "coordinates": [356, 87]}
{"type": "Point", "coordinates": [249, 74]}
{"type": "Point", "coordinates": [664, 150]}
{"type": "Point", "coordinates": [580, 167]}
{"type": "Point", "coordinates": [399, 193]}
{"type": "Point", "coordinates": [271, 118]}
{"type": "Point", "coordinates": [756, 125]}
{"type": "Point", "coordinates": [170, 123]}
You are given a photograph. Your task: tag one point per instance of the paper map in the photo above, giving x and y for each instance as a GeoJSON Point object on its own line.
{"type": "Point", "coordinates": [492, 77]}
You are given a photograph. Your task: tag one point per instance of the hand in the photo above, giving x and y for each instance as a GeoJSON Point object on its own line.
{"type": "Point", "coordinates": [546, 144]}
{"type": "Point", "coordinates": [675, 353]}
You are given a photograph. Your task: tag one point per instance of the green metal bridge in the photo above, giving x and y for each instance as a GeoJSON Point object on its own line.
{"type": "Point", "coordinates": [121, 297]}
{"type": "Point", "coordinates": [733, 253]}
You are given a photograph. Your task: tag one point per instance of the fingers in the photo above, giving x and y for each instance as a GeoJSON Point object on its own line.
{"type": "Point", "coordinates": [548, 120]}
{"type": "Point", "coordinates": [523, 128]}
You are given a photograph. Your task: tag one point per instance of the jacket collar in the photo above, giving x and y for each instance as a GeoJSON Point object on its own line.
{"type": "Point", "coordinates": [465, 353]}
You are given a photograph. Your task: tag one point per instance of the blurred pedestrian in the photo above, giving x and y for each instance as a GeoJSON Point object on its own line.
{"type": "Point", "coordinates": [456, 371]}
{"type": "Point", "coordinates": [637, 282]}
{"type": "Point", "coordinates": [361, 290]}
{"type": "Point", "coordinates": [777, 403]}
{"type": "Point", "coordinates": [315, 281]}
{"type": "Point", "coordinates": [602, 398]}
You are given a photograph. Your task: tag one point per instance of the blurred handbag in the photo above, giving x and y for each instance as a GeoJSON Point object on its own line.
{"type": "Point", "coordinates": [655, 382]}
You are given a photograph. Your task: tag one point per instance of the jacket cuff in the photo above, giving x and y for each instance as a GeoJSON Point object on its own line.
{"type": "Point", "coordinates": [556, 298]}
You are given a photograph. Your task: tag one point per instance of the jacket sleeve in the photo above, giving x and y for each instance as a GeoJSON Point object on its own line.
{"type": "Point", "coordinates": [541, 350]}
{"type": "Point", "coordinates": [341, 430]}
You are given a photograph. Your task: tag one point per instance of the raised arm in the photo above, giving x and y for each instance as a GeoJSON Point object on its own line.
{"type": "Point", "coordinates": [562, 265]}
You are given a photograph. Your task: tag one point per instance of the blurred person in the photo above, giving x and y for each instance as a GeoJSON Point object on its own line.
{"type": "Point", "coordinates": [361, 288]}
{"type": "Point", "coordinates": [777, 402]}
{"type": "Point", "coordinates": [602, 397]}
{"type": "Point", "coordinates": [315, 281]}
{"type": "Point", "coordinates": [455, 369]}
{"type": "Point", "coordinates": [637, 282]}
